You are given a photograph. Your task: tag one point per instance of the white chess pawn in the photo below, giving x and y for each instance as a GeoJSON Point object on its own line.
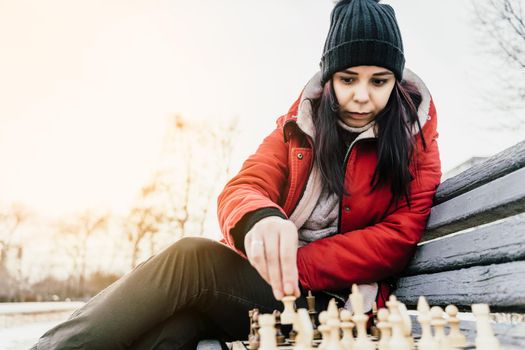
{"type": "Point", "coordinates": [288, 315]}
{"type": "Point", "coordinates": [456, 339]}
{"type": "Point", "coordinates": [398, 341]}
{"type": "Point", "coordinates": [362, 342]}
{"type": "Point", "coordinates": [485, 338]}
{"type": "Point", "coordinates": [324, 329]}
{"type": "Point", "coordinates": [305, 330]}
{"type": "Point", "coordinates": [385, 330]}
{"type": "Point", "coordinates": [267, 332]}
{"type": "Point", "coordinates": [347, 326]}
{"type": "Point", "coordinates": [439, 323]}
{"type": "Point", "coordinates": [426, 342]}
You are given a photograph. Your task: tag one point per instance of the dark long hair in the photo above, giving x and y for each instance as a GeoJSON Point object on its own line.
{"type": "Point", "coordinates": [395, 141]}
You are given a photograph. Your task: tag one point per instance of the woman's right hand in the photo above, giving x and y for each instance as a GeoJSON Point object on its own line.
{"type": "Point", "coordinates": [271, 247]}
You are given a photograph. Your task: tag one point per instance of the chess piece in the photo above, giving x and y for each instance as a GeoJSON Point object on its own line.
{"type": "Point", "coordinates": [347, 326]}
{"type": "Point", "coordinates": [334, 340]}
{"type": "Point", "coordinates": [426, 342]}
{"type": "Point", "coordinates": [250, 315]}
{"type": "Point", "coordinates": [332, 326]}
{"type": "Point", "coordinates": [292, 335]}
{"type": "Point", "coordinates": [405, 317]}
{"type": "Point", "coordinates": [485, 338]}
{"type": "Point", "coordinates": [362, 342]}
{"type": "Point", "coordinates": [267, 332]}
{"type": "Point", "coordinates": [385, 330]}
{"type": "Point", "coordinates": [254, 339]}
{"type": "Point", "coordinates": [310, 299]}
{"type": "Point", "coordinates": [303, 327]}
{"type": "Point", "coordinates": [288, 315]}
{"type": "Point", "coordinates": [332, 311]}
{"type": "Point", "coordinates": [456, 339]}
{"type": "Point", "coordinates": [398, 341]}
{"type": "Point", "coordinates": [439, 323]}
{"type": "Point", "coordinates": [279, 336]}
{"type": "Point", "coordinates": [324, 329]}
{"type": "Point", "coordinates": [374, 331]}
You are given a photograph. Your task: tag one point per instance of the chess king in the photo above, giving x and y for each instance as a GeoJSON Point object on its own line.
{"type": "Point", "coordinates": [338, 193]}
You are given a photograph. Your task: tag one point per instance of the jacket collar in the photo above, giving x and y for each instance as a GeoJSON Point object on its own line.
{"type": "Point", "coordinates": [301, 112]}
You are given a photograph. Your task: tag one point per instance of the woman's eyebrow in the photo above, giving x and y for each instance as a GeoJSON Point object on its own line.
{"type": "Point", "coordinates": [375, 74]}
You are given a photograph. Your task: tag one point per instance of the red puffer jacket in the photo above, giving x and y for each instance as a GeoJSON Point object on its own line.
{"type": "Point", "coordinates": [375, 241]}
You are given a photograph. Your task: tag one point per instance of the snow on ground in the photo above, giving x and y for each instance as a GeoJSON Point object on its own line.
{"type": "Point", "coordinates": [21, 324]}
{"type": "Point", "coordinates": [24, 336]}
{"type": "Point", "coordinates": [11, 308]}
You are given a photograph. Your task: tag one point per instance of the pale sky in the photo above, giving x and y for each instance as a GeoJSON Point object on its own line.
{"type": "Point", "coordinates": [86, 87]}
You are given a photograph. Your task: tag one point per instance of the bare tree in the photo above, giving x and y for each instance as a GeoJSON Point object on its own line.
{"type": "Point", "coordinates": [77, 231]}
{"type": "Point", "coordinates": [144, 219]}
{"type": "Point", "coordinates": [195, 158]}
{"type": "Point", "coordinates": [11, 218]}
{"type": "Point", "coordinates": [222, 141]}
{"type": "Point", "coordinates": [504, 22]}
{"type": "Point", "coordinates": [198, 158]}
{"type": "Point", "coordinates": [501, 35]}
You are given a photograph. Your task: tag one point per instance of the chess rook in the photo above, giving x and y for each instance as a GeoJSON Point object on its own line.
{"type": "Point", "coordinates": [267, 332]}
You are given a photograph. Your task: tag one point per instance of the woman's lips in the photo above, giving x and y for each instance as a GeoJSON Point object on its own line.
{"type": "Point", "coordinates": [359, 115]}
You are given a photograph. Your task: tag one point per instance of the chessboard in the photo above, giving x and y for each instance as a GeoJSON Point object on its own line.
{"type": "Point", "coordinates": [288, 345]}
{"type": "Point", "coordinates": [245, 345]}
{"type": "Point", "coordinates": [342, 329]}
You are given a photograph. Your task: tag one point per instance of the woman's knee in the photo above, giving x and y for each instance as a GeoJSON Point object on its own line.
{"type": "Point", "coordinates": [195, 243]}
{"type": "Point", "coordinates": [202, 258]}
{"type": "Point", "coordinates": [193, 248]}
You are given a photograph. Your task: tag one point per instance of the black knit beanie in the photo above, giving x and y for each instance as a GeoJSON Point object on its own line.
{"type": "Point", "coordinates": [362, 32]}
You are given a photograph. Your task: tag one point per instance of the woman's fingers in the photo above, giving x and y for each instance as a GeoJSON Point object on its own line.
{"type": "Point", "coordinates": [288, 260]}
{"type": "Point", "coordinates": [255, 250]}
{"type": "Point", "coordinates": [271, 249]}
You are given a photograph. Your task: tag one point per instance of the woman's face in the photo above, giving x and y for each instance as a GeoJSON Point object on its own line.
{"type": "Point", "coordinates": [362, 92]}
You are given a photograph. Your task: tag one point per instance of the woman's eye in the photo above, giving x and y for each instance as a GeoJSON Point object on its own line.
{"type": "Point", "coordinates": [347, 80]}
{"type": "Point", "coordinates": [379, 82]}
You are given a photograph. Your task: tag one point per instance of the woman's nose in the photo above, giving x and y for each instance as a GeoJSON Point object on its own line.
{"type": "Point", "coordinates": [361, 93]}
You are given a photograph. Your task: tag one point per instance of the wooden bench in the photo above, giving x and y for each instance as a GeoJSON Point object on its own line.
{"type": "Point", "coordinates": [474, 248]}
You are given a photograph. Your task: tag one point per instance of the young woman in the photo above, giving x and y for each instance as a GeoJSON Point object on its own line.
{"type": "Point", "coordinates": [339, 193]}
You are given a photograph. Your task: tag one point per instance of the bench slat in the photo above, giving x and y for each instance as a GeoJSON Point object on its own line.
{"type": "Point", "coordinates": [501, 164]}
{"type": "Point", "coordinates": [495, 244]}
{"type": "Point", "coordinates": [498, 199]}
{"type": "Point", "coordinates": [502, 286]}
